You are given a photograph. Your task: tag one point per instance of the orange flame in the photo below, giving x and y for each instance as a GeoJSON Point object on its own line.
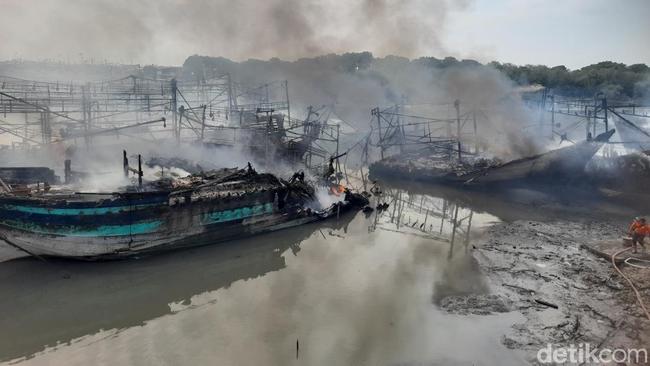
{"type": "Point", "coordinates": [337, 189]}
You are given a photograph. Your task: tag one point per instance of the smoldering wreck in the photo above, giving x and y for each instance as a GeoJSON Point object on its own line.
{"type": "Point", "coordinates": [216, 204]}
{"type": "Point", "coordinates": [460, 150]}
{"type": "Point", "coordinates": [169, 213]}
{"type": "Point", "coordinates": [43, 215]}
{"type": "Point", "coordinates": [435, 165]}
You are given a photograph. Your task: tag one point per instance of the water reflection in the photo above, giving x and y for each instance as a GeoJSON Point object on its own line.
{"type": "Point", "coordinates": [49, 303]}
{"type": "Point", "coordinates": [354, 291]}
{"type": "Point", "coordinates": [443, 220]}
{"type": "Point", "coordinates": [437, 218]}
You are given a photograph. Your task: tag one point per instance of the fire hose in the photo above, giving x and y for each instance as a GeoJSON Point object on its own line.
{"type": "Point", "coordinates": [636, 292]}
{"type": "Point", "coordinates": [640, 263]}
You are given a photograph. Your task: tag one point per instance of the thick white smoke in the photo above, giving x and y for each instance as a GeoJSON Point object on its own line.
{"type": "Point", "coordinates": [166, 31]}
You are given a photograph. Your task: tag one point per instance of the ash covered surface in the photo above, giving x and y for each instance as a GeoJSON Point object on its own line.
{"type": "Point", "coordinates": [231, 182]}
{"type": "Point", "coordinates": [175, 162]}
{"type": "Point", "coordinates": [480, 304]}
{"type": "Point", "coordinates": [566, 294]}
{"type": "Point", "coordinates": [432, 165]}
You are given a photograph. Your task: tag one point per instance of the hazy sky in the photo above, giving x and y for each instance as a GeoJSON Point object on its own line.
{"type": "Point", "coordinates": [574, 33]}
{"type": "Point", "coordinates": [570, 32]}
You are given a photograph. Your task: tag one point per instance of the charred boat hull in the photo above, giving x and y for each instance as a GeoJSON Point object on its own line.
{"type": "Point", "coordinates": [83, 226]}
{"type": "Point", "coordinates": [132, 232]}
{"type": "Point", "coordinates": [555, 167]}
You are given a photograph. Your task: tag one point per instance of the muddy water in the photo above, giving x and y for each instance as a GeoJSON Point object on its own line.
{"type": "Point", "coordinates": [360, 290]}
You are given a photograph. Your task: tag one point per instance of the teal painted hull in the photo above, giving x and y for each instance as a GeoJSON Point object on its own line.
{"type": "Point", "coordinates": [123, 230]}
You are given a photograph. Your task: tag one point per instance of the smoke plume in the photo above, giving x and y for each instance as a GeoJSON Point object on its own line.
{"type": "Point", "coordinates": [166, 31]}
{"type": "Point", "coordinates": [354, 83]}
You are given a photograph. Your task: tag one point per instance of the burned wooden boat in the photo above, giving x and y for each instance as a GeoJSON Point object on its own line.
{"type": "Point", "coordinates": [165, 214]}
{"type": "Point", "coordinates": [554, 167]}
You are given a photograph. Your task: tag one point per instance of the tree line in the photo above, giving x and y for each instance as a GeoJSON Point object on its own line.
{"type": "Point", "coordinates": [615, 80]}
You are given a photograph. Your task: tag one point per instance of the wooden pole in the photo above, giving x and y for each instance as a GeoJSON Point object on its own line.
{"type": "Point", "coordinates": [286, 91]}
{"type": "Point", "coordinates": [453, 232]}
{"type": "Point", "coordinates": [140, 170]}
{"type": "Point", "coordinates": [67, 171]}
{"type": "Point", "coordinates": [552, 115]}
{"type": "Point", "coordinates": [203, 123]}
{"type": "Point", "coordinates": [457, 106]}
{"type": "Point", "coordinates": [125, 164]}
{"type": "Point", "coordinates": [605, 109]}
{"type": "Point", "coordinates": [85, 113]}
{"type": "Point", "coordinates": [174, 87]}
{"type": "Point", "coordinates": [380, 140]}
{"type": "Point", "coordinates": [475, 132]}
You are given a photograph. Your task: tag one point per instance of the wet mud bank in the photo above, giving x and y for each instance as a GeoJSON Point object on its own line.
{"type": "Point", "coordinates": [567, 294]}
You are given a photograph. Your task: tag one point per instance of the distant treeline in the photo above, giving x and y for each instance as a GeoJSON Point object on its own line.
{"type": "Point", "coordinates": [615, 80]}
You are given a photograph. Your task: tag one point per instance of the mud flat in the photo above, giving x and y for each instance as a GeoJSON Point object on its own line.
{"type": "Point", "coordinates": [567, 294]}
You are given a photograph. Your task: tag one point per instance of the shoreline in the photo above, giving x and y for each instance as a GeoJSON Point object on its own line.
{"type": "Point", "coordinates": [566, 294]}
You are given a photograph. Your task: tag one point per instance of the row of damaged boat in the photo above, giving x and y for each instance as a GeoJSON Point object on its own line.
{"type": "Point", "coordinates": [207, 207]}
{"type": "Point", "coordinates": [168, 213]}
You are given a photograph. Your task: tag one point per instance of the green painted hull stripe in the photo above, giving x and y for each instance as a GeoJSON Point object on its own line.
{"type": "Point", "coordinates": [144, 227]}
{"type": "Point", "coordinates": [236, 214]}
{"type": "Point", "coordinates": [75, 211]}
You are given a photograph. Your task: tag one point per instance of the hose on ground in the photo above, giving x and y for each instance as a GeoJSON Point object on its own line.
{"type": "Point", "coordinates": [638, 294]}
{"type": "Point", "coordinates": [639, 263]}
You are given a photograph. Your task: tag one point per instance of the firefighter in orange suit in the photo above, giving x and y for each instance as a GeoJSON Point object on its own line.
{"type": "Point", "coordinates": [639, 229]}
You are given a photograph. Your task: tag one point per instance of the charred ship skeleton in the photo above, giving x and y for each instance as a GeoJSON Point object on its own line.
{"type": "Point", "coordinates": [551, 168]}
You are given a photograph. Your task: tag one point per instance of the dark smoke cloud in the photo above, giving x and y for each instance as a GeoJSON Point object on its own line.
{"type": "Point", "coordinates": [166, 31]}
